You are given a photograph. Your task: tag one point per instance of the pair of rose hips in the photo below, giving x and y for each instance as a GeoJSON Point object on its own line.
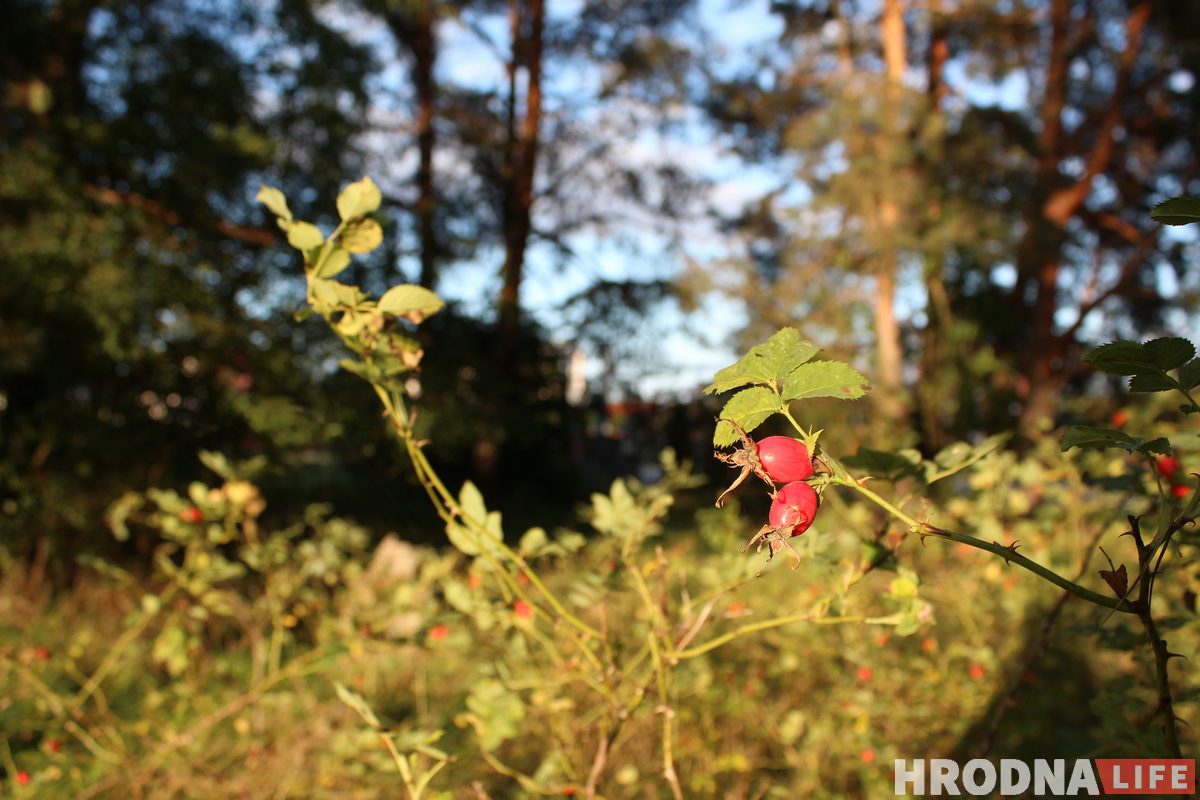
{"type": "Point", "coordinates": [1169, 468]}
{"type": "Point", "coordinates": [777, 460]}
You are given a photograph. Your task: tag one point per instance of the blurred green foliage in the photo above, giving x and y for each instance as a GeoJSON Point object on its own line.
{"type": "Point", "coordinates": [228, 651]}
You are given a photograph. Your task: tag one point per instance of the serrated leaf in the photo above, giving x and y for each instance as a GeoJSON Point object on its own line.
{"type": "Point", "coordinates": [1144, 360]}
{"type": "Point", "coordinates": [362, 236]}
{"type": "Point", "coordinates": [1095, 437]}
{"type": "Point", "coordinates": [749, 408]}
{"type": "Point", "coordinates": [304, 236]}
{"type": "Point", "coordinates": [275, 201]}
{"type": "Point", "coordinates": [724, 435]}
{"type": "Point", "coordinates": [1118, 358]}
{"type": "Point", "coordinates": [411, 302]}
{"type": "Point", "coordinates": [1189, 375]}
{"type": "Point", "coordinates": [1161, 445]}
{"type": "Point", "coordinates": [1152, 382]}
{"type": "Point", "coordinates": [1177, 211]}
{"type": "Point", "coordinates": [1170, 352]}
{"type": "Point", "coordinates": [334, 262]}
{"type": "Point", "coordinates": [359, 198]}
{"type": "Point", "coordinates": [765, 364]}
{"type": "Point", "coordinates": [824, 379]}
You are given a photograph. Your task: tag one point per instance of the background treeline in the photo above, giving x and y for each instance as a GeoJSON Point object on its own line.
{"type": "Point", "coordinates": [954, 195]}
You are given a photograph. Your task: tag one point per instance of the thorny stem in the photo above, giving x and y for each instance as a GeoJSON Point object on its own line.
{"type": "Point", "coordinates": [841, 477]}
{"type": "Point", "coordinates": [1149, 560]}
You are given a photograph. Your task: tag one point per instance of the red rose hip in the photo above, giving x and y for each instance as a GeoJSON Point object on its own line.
{"type": "Point", "coordinates": [1167, 466]}
{"type": "Point", "coordinates": [795, 506]}
{"type": "Point", "coordinates": [785, 459]}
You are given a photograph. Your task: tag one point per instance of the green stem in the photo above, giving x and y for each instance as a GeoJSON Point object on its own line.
{"type": "Point", "coordinates": [755, 627]}
{"type": "Point", "coordinates": [1009, 554]}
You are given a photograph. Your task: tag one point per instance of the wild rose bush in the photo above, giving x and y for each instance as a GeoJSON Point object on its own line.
{"type": "Point", "coordinates": [953, 605]}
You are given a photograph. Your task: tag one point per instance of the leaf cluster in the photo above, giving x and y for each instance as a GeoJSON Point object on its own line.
{"type": "Point", "coordinates": [776, 373]}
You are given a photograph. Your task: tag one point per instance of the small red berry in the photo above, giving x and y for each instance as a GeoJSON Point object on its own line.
{"type": "Point", "coordinates": [1119, 418]}
{"type": "Point", "coordinates": [438, 632]}
{"type": "Point", "coordinates": [867, 756]}
{"type": "Point", "coordinates": [976, 672]}
{"type": "Point", "coordinates": [522, 609]}
{"type": "Point", "coordinates": [1167, 466]}
{"type": "Point", "coordinates": [474, 581]}
{"type": "Point", "coordinates": [41, 653]}
{"type": "Point", "coordinates": [928, 645]}
{"type": "Point", "coordinates": [785, 459]}
{"type": "Point", "coordinates": [795, 506]}
{"type": "Point", "coordinates": [53, 745]}
{"type": "Point", "coordinates": [191, 515]}
{"type": "Point", "coordinates": [23, 778]}
{"type": "Point", "coordinates": [865, 674]}
{"type": "Point", "coordinates": [1181, 491]}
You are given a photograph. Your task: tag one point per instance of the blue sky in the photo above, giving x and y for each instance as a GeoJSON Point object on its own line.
{"type": "Point", "coordinates": [685, 350]}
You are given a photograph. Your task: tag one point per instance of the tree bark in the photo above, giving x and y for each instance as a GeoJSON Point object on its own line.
{"type": "Point", "coordinates": [935, 350]}
{"type": "Point", "coordinates": [1039, 258]}
{"type": "Point", "coordinates": [527, 20]}
{"type": "Point", "coordinates": [887, 328]}
{"type": "Point", "coordinates": [414, 28]}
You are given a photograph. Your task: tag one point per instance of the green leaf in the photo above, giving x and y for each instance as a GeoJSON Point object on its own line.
{"type": "Point", "coordinates": [765, 364]}
{"type": "Point", "coordinates": [1152, 382]}
{"type": "Point", "coordinates": [358, 704]}
{"type": "Point", "coordinates": [368, 372]}
{"type": "Point", "coordinates": [748, 408]}
{"type": "Point", "coordinates": [119, 512]}
{"type": "Point", "coordinates": [274, 200]}
{"type": "Point", "coordinates": [1131, 358]}
{"type": "Point", "coordinates": [1118, 358]}
{"type": "Point", "coordinates": [533, 542]}
{"type": "Point", "coordinates": [1169, 353]}
{"type": "Point", "coordinates": [329, 296]}
{"type": "Point", "coordinates": [362, 236]}
{"type": "Point", "coordinates": [411, 302]}
{"type": "Point", "coordinates": [304, 236]}
{"type": "Point", "coordinates": [956, 457]}
{"type": "Point", "coordinates": [1161, 445]}
{"type": "Point", "coordinates": [497, 712]}
{"type": "Point", "coordinates": [332, 263]}
{"type": "Point", "coordinates": [824, 379]}
{"type": "Point", "coordinates": [1096, 437]}
{"type": "Point", "coordinates": [1088, 436]}
{"type": "Point", "coordinates": [1177, 211]}
{"type": "Point", "coordinates": [1189, 375]}
{"type": "Point", "coordinates": [358, 199]}
{"type": "Point", "coordinates": [478, 529]}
